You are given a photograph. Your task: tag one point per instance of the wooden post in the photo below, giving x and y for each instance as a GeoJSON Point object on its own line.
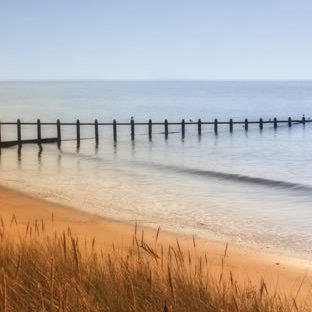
{"type": "Point", "coordinates": [183, 128]}
{"type": "Point", "coordinates": [246, 124]}
{"type": "Point", "coordinates": [216, 126]}
{"type": "Point", "coordinates": [289, 121]}
{"type": "Point", "coordinates": [166, 129]}
{"type": "Point", "coordinates": [78, 133]}
{"type": "Point", "coordinates": [96, 132]}
{"type": "Point", "coordinates": [199, 127]}
{"type": "Point", "coordinates": [275, 123]}
{"type": "Point", "coordinates": [150, 130]}
{"type": "Point", "coordinates": [303, 120]}
{"type": "Point", "coordinates": [261, 124]}
{"type": "Point", "coordinates": [231, 125]}
{"type": "Point", "coordinates": [39, 133]}
{"type": "Point", "coordinates": [0, 138]}
{"type": "Point", "coordinates": [115, 130]}
{"type": "Point", "coordinates": [59, 136]}
{"type": "Point", "coordinates": [19, 133]}
{"type": "Point", "coordinates": [132, 129]}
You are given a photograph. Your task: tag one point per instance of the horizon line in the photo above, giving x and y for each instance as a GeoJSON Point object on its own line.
{"type": "Point", "coordinates": [155, 80]}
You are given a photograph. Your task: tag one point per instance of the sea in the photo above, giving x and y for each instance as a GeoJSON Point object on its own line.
{"type": "Point", "coordinates": [249, 188]}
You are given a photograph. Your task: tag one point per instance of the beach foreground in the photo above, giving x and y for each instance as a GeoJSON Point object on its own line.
{"type": "Point", "coordinates": [25, 218]}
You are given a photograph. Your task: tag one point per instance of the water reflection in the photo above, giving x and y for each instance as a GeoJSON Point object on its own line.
{"type": "Point", "coordinates": [19, 155]}
{"type": "Point", "coordinates": [39, 156]}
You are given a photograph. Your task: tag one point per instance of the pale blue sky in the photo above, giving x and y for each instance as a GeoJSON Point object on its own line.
{"type": "Point", "coordinates": [155, 39]}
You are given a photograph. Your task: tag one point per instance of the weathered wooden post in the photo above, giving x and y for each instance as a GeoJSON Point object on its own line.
{"type": "Point", "coordinates": [39, 133]}
{"type": "Point", "coordinates": [216, 126]}
{"type": "Point", "coordinates": [231, 125]}
{"type": "Point", "coordinates": [246, 124]}
{"type": "Point", "coordinates": [289, 121]}
{"type": "Point", "coordinates": [78, 133]}
{"type": "Point", "coordinates": [19, 133]}
{"type": "Point", "coordinates": [261, 124]}
{"type": "Point", "coordinates": [199, 127]}
{"type": "Point", "coordinates": [115, 130]}
{"type": "Point", "coordinates": [183, 128]}
{"type": "Point", "coordinates": [303, 120]}
{"type": "Point", "coordinates": [166, 129]}
{"type": "Point", "coordinates": [150, 129]}
{"type": "Point", "coordinates": [59, 136]}
{"type": "Point", "coordinates": [275, 123]}
{"type": "Point", "coordinates": [96, 132]}
{"type": "Point", "coordinates": [132, 129]}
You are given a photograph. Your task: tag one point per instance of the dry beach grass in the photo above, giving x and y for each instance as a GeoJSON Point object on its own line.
{"type": "Point", "coordinates": [59, 272]}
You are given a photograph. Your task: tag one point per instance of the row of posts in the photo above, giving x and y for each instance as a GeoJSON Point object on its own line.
{"type": "Point", "coordinates": [132, 125]}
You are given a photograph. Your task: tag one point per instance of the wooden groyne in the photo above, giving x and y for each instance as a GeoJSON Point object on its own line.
{"type": "Point", "coordinates": [39, 140]}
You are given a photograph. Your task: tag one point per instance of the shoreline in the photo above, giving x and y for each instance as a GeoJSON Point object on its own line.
{"type": "Point", "coordinates": [246, 264]}
{"type": "Point", "coordinates": [182, 231]}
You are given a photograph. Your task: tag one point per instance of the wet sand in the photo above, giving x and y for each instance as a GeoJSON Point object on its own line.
{"type": "Point", "coordinates": [285, 274]}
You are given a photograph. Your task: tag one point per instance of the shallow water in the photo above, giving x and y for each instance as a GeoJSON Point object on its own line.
{"type": "Point", "coordinates": [252, 188]}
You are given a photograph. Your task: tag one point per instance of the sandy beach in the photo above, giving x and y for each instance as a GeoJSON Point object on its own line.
{"type": "Point", "coordinates": [248, 266]}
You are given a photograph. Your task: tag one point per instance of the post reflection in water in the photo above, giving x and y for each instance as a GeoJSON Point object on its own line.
{"type": "Point", "coordinates": [19, 156]}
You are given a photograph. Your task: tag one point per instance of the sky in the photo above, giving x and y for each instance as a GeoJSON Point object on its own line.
{"type": "Point", "coordinates": [155, 40]}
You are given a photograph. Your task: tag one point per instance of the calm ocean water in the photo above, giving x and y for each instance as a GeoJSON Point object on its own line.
{"type": "Point", "coordinates": [250, 188]}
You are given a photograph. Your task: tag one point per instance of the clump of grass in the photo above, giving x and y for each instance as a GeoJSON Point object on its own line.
{"type": "Point", "coordinates": [60, 273]}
